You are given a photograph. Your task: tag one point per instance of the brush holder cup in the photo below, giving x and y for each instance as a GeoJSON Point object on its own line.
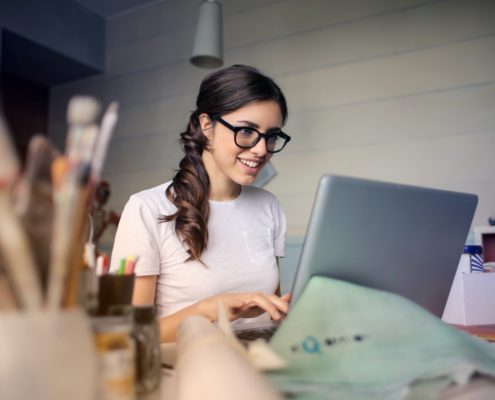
{"type": "Point", "coordinates": [47, 356]}
{"type": "Point", "coordinates": [114, 293]}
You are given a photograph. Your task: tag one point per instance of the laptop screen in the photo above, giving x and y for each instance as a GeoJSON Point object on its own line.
{"type": "Point", "coordinates": [398, 238]}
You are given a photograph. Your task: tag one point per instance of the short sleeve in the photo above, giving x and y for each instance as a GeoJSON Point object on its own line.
{"type": "Point", "coordinates": [137, 235]}
{"type": "Point", "coordinates": [280, 231]}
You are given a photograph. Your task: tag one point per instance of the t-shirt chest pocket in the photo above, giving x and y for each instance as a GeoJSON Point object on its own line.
{"type": "Point", "coordinates": [259, 243]}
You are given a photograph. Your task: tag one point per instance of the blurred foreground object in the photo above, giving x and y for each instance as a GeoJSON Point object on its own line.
{"type": "Point", "coordinates": [34, 201]}
{"type": "Point", "coordinates": [43, 210]}
{"type": "Point", "coordinates": [209, 367]}
{"type": "Point", "coordinates": [18, 261]}
{"type": "Point", "coordinates": [47, 356]}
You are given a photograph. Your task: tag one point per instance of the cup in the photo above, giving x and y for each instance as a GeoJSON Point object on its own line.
{"type": "Point", "coordinates": [114, 293]}
{"type": "Point", "coordinates": [475, 254]}
{"type": "Point", "coordinates": [47, 356]}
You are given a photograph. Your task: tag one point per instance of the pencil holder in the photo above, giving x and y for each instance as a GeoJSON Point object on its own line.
{"type": "Point", "coordinates": [114, 292]}
{"type": "Point", "coordinates": [47, 356]}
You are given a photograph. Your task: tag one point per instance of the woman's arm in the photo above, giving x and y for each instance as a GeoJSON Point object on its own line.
{"type": "Point", "coordinates": [144, 290]}
{"type": "Point", "coordinates": [236, 305]}
{"type": "Point", "coordinates": [144, 294]}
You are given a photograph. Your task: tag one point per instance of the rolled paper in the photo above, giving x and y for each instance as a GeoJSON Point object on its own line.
{"type": "Point", "coordinates": [209, 367]}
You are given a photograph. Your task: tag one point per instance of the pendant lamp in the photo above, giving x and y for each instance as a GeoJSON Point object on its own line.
{"type": "Point", "coordinates": [208, 46]}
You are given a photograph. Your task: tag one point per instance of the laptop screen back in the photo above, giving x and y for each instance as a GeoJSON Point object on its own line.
{"type": "Point", "coordinates": [398, 238]}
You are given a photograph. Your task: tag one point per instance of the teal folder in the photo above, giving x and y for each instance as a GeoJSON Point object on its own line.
{"type": "Point", "coordinates": [344, 341]}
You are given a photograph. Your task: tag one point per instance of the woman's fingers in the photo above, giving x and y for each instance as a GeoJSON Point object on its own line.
{"type": "Point", "coordinates": [233, 305]}
{"type": "Point", "coordinates": [286, 297]}
{"type": "Point", "coordinates": [253, 304]}
{"type": "Point", "coordinates": [275, 306]}
{"type": "Point", "coordinates": [280, 303]}
{"type": "Point", "coordinates": [266, 304]}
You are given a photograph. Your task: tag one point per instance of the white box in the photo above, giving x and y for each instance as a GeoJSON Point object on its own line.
{"type": "Point", "coordinates": [472, 297]}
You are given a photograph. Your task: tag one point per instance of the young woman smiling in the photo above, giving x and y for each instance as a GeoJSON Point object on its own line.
{"type": "Point", "coordinates": [207, 236]}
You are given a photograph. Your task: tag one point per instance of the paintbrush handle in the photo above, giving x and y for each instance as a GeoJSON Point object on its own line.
{"type": "Point", "coordinates": [19, 261]}
{"type": "Point", "coordinates": [7, 297]}
{"type": "Point", "coordinates": [77, 249]}
{"type": "Point", "coordinates": [60, 246]}
{"type": "Point", "coordinates": [107, 127]}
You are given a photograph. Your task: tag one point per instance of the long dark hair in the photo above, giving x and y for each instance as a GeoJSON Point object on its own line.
{"type": "Point", "coordinates": [221, 92]}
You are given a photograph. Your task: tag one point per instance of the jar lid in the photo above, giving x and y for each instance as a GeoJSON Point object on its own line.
{"type": "Point", "coordinates": [472, 249]}
{"type": "Point", "coordinates": [122, 324]}
{"type": "Point", "coordinates": [144, 314]}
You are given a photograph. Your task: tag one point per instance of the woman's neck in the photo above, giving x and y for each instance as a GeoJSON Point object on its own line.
{"type": "Point", "coordinates": [223, 191]}
{"type": "Point", "coordinates": [222, 188]}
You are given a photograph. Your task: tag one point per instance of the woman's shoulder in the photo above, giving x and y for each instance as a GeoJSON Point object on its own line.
{"type": "Point", "coordinates": [155, 198]}
{"type": "Point", "coordinates": [259, 194]}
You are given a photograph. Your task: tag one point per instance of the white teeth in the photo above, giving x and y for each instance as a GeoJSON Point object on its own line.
{"type": "Point", "coordinates": [251, 164]}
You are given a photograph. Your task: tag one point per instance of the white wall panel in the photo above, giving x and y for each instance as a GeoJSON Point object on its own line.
{"type": "Point", "coordinates": [441, 113]}
{"type": "Point", "coordinates": [416, 161]}
{"type": "Point", "coordinates": [156, 116]}
{"type": "Point", "coordinates": [385, 34]}
{"type": "Point", "coordinates": [157, 151]}
{"type": "Point", "coordinates": [288, 17]}
{"type": "Point", "coordinates": [397, 90]}
{"type": "Point", "coordinates": [165, 16]}
{"type": "Point", "coordinates": [432, 69]}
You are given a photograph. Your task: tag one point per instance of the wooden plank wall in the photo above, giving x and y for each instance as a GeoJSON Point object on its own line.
{"type": "Point", "coordinates": [395, 90]}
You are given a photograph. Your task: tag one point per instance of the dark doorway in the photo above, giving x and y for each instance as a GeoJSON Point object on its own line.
{"type": "Point", "coordinates": [25, 107]}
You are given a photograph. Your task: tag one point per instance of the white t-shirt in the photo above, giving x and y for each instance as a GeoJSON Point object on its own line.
{"type": "Point", "coordinates": [245, 237]}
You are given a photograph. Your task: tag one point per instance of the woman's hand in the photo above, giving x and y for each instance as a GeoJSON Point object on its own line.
{"type": "Point", "coordinates": [245, 305]}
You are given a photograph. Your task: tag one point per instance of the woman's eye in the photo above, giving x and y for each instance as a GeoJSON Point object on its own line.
{"type": "Point", "coordinates": [246, 132]}
{"type": "Point", "coordinates": [272, 139]}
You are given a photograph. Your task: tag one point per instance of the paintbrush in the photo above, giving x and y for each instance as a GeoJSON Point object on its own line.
{"type": "Point", "coordinates": [71, 200]}
{"type": "Point", "coordinates": [18, 258]}
{"type": "Point", "coordinates": [108, 123]}
{"type": "Point", "coordinates": [34, 201]}
{"type": "Point", "coordinates": [96, 160]}
{"type": "Point", "coordinates": [7, 299]}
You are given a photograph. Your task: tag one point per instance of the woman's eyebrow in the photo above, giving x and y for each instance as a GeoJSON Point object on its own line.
{"type": "Point", "coordinates": [249, 123]}
{"type": "Point", "coordinates": [255, 125]}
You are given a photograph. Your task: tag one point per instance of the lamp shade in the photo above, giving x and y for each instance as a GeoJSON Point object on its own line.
{"type": "Point", "coordinates": [208, 46]}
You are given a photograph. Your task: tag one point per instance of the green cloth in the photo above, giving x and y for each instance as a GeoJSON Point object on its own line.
{"type": "Point", "coordinates": [344, 341]}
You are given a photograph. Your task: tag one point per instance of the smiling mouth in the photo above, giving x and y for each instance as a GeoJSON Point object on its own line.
{"type": "Point", "coordinates": [249, 163]}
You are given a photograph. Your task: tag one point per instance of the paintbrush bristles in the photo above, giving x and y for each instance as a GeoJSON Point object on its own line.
{"type": "Point", "coordinates": [82, 110]}
{"type": "Point", "coordinates": [113, 107]}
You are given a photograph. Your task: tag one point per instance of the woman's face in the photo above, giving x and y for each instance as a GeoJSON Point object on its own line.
{"type": "Point", "coordinates": [225, 162]}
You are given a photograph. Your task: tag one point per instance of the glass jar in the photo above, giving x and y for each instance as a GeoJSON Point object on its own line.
{"type": "Point", "coordinates": [147, 336]}
{"type": "Point", "coordinates": [116, 354]}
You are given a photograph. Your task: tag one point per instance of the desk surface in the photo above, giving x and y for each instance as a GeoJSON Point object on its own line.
{"type": "Point", "coordinates": [479, 389]}
{"type": "Point", "coordinates": [486, 332]}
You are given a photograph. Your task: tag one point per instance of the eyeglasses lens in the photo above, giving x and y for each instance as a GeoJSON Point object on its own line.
{"type": "Point", "coordinates": [248, 138]}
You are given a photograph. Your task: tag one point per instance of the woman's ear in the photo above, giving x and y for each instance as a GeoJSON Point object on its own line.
{"type": "Point", "coordinates": [206, 124]}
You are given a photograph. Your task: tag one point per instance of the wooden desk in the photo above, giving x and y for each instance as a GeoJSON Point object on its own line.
{"type": "Point", "coordinates": [486, 332]}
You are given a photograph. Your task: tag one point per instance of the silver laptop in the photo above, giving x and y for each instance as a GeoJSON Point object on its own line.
{"type": "Point", "coordinates": [393, 237]}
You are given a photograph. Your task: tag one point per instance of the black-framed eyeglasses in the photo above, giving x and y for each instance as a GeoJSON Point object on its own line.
{"type": "Point", "coordinates": [246, 137]}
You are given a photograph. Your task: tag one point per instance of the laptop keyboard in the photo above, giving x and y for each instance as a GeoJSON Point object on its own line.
{"type": "Point", "coordinates": [259, 333]}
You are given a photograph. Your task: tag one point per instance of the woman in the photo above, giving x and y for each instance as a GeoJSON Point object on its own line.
{"type": "Point", "coordinates": [207, 236]}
